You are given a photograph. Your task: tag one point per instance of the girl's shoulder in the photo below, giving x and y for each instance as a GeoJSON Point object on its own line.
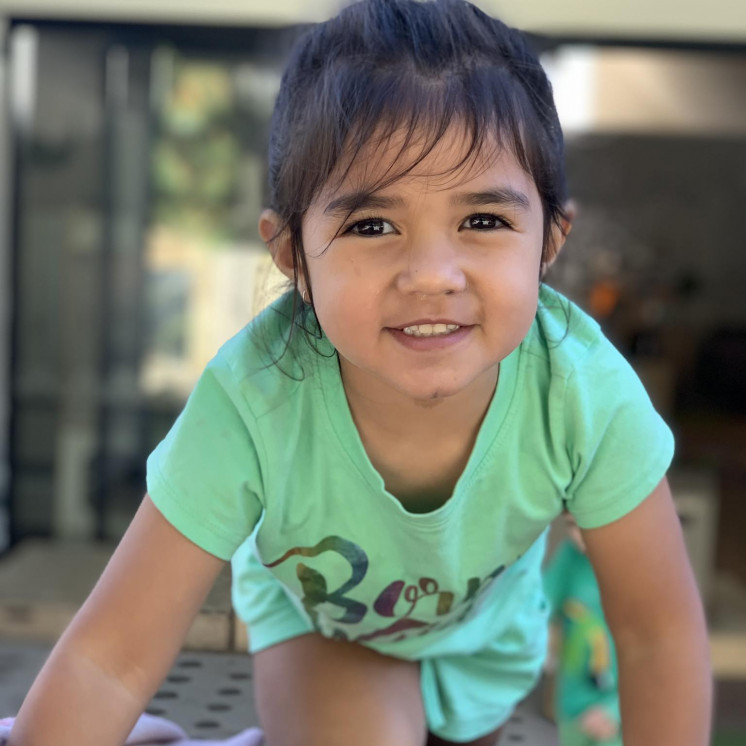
{"type": "Point", "coordinates": [567, 339]}
{"type": "Point", "coordinates": [264, 362]}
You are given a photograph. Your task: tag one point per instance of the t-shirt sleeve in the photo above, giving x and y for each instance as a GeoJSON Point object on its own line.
{"type": "Point", "coordinates": [205, 476]}
{"type": "Point", "coordinates": [620, 447]}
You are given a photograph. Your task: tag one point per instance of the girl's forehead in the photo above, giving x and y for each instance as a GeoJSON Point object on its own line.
{"type": "Point", "coordinates": [451, 161]}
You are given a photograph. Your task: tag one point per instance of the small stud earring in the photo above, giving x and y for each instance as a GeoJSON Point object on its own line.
{"type": "Point", "coordinates": [304, 295]}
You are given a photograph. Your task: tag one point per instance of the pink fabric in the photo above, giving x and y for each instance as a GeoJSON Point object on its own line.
{"type": "Point", "coordinates": [154, 731]}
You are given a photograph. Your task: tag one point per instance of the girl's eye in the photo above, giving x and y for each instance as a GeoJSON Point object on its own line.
{"type": "Point", "coordinates": [484, 222]}
{"type": "Point", "coordinates": [371, 227]}
{"type": "Point", "coordinates": [380, 227]}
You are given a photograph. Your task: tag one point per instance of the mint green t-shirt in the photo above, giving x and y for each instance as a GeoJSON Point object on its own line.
{"type": "Point", "coordinates": [269, 469]}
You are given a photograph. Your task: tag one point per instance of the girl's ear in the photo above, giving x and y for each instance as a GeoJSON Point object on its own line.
{"type": "Point", "coordinates": [559, 236]}
{"type": "Point", "coordinates": [279, 246]}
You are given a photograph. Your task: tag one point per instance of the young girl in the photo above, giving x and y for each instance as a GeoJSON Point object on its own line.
{"type": "Point", "coordinates": [381, 451]}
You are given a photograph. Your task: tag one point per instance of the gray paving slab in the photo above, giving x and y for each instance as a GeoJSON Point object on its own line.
{"type": "Point", "coordinates": [43, 583]}
{"type": "Point", "coordinates": [52, 571]}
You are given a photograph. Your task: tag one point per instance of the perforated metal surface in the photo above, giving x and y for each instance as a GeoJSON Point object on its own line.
{"type": "Point", "coordinates": [210, 695]}
{"type": "Point", "coordinates": [528, 729]}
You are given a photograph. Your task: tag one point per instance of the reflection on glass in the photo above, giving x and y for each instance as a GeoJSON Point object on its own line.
{"type": "Point", "coordinates": [206, 269]}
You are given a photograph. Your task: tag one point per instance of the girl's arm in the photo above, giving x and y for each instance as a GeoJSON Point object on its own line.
{"type": "Point", "coordinates": [121, 644]}
{"type": "Point", "coordinates": [655, 614]}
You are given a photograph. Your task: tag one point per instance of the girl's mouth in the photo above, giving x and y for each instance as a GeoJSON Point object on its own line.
{"type": "Point", "coordinates": [430, 330]}
{"type": "Point", "coordinates": [426, 337]}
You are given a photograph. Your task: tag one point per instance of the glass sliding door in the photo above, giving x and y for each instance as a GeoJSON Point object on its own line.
{"type": "Point", "coordinates": [59, 227]}
{"type": "Point", "coordinates": [140, 180]}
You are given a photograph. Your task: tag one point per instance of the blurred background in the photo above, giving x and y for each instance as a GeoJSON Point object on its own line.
{"type": "Point", "coordinates": [132, 169]}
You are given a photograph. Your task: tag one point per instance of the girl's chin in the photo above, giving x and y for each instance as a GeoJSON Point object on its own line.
{"type": "Point", "coordinates": [424, 392]}
{"type": "Point", "coordinates": [423, 386]}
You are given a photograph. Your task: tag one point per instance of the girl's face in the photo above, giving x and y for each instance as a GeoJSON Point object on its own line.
{"type": "Point", "coordinates": [434, 281]}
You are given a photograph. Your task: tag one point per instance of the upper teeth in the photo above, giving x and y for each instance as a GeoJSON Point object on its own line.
{"type": "Point", "coordinates": [430, 330]}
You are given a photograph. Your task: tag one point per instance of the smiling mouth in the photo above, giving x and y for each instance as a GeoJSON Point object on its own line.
{"type": "Point", "coordinates": [430, 330]}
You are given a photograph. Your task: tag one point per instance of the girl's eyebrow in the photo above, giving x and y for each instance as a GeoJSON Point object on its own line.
{"type": "Point", "coordinates": [502, 196]}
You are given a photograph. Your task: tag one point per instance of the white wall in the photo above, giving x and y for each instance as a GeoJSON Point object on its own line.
{"type": "Point", "coordinates": [613, 89]}
{"type": "Point", "coordinates": [723, 20]}
{"type": "Point", "coordinates": [677, 93]}
{"type": "Point", "coordinates": [684, 19]}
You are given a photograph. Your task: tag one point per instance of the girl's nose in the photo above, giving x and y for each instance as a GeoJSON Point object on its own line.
{"type": "Point", "coordinates": [431, 266]}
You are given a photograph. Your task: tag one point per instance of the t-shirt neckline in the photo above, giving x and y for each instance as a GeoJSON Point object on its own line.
{"type": "Point", "coordinates": [341, 421]}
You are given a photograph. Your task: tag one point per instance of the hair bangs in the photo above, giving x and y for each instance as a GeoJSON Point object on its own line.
{"type": "Point", "coordinates": [410, 114]}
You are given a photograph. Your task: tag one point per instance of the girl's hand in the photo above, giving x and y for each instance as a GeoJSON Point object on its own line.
{"type": "Point", "coordinates": [597, 724]}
